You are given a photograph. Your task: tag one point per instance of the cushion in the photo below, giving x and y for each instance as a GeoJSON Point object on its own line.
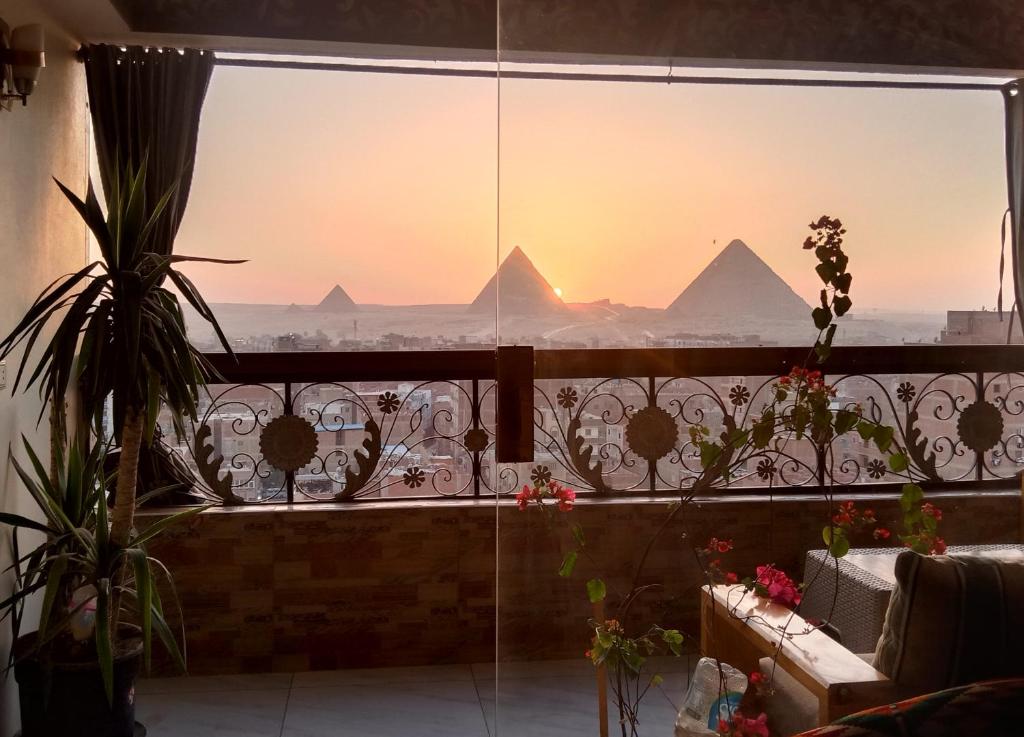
{"type": "Point", "coordinates": [953, 620]}
{"type": "Point", "coordinates": [991, 709]}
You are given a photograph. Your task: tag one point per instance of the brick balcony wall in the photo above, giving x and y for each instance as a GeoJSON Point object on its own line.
{"type": "Point", "coordinates": [269, 588]}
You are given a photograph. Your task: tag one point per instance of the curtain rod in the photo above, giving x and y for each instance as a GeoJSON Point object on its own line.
{"type": "Point", "coordinates": [598, 77]}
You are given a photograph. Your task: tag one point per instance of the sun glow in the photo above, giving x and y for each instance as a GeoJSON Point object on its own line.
{"type": "Point", "coordinates": [558, 292]}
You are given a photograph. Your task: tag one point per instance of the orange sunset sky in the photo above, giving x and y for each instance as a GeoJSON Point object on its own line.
{"type": "Point", "coordinates": [386, 184]}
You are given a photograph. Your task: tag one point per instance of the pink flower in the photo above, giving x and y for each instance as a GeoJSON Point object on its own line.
{"type": "Point", "coordinates": [741, 726]}
{"type": "Point", "coordinates": [777, 586]}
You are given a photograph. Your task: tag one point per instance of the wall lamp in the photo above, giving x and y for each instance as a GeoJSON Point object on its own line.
{"type": "Point", "coordinates": [21, 58]}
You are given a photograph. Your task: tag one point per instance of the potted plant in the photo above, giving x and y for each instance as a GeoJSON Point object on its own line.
{"type": "Point", "coordinates": [118, 332]}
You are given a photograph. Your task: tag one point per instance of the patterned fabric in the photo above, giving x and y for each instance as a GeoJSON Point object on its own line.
{"type": "Point", "coordinates": [992, 709]}
{"type": "Point", "coordinates": [953, 620]}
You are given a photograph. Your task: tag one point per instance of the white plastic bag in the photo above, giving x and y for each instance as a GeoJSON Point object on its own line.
{"type": "Point", "coordinates": [708, 699]}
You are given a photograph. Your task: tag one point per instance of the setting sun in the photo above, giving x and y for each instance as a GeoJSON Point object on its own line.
{"type": "Point", "coordinates": [558, 292]}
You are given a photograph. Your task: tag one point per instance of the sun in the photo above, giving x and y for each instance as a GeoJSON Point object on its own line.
{"type": "Point", "coordinates": [558, 292]}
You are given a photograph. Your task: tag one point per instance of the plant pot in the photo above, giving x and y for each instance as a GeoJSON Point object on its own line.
{"type": "Point", "coordinates": [67, 699]}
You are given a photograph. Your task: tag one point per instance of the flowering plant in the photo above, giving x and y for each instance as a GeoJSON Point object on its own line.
{"type": "Point", "coordinates": [773, 584]}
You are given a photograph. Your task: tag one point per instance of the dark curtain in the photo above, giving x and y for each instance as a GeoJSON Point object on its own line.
{"type": "Point", "coordinates": [149, 101]}
{"type": "Point", "coordinates": [1013, 95]}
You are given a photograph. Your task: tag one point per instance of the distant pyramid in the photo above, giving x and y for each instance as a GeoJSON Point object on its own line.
{"type": "Point", "coordinates": [337, 300]}
{"type": "Point", "coordinates": [738, 284]}
{"type": "Point", "coordinates": [522, 289]}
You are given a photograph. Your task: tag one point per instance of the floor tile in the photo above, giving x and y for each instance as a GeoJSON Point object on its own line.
{"type": "Point", "coordinates": [215, 714]}
{"type": "Point", "coordinates": [200, 684]}
{"type": "Point", "coordinates": [382, 676]}
{"type": "Point", "coordinates": [567, 706]}
{"type": "Point", "coordinates": [415, 708]}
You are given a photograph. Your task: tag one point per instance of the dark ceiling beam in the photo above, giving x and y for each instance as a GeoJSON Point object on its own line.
{"type": "Point", "coordinates": [938, 34]}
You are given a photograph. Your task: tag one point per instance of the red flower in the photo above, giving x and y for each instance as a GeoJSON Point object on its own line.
{"type": "Point", "coordinates": [565, 497]}
{"type": "Point", "coordinates": [931, 510]}
{"type": "Point", "coordinates": [939, 546]}
{"type": "Point", "coordinates": [756, 677]}
{"type": "Point", "coordinates": [586, 654]}
{"type": "Point", "coordinates": [724, 546]}
{"type": "Point", "coordinates": [882, 534]}
{"type": "Point", "coordinates": [731, 577]}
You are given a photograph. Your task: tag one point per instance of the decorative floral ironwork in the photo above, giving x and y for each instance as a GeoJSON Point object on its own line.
{"type": "Point", "coordinates": [980, 426]}
{"type": "Point", "coordinates": [540, 475]}
{"type": "Point", "coordinates": [476, 440]}
{"type": "Point", "coordinates": [388, 402]}
{"type": "Point", "coordinates": [414, 477]}
{"type": "Point", "coordinates": [652, 433]}
{"type": "Point", "coordinates": [739, 395]}
{"type": "Point", "coordinates": [876, 469]}
{"type": "Point", "coordinates": [766, 469]}
{"type": "Point", "coordinates": [906, 392]}
{"type": "Point", "coordinates": [288, 442]}
{"type": "Point", "coordinates": [567, 397]}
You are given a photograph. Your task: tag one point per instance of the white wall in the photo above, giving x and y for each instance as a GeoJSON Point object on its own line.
{"type": "Point", "coordinates": [40, 238]}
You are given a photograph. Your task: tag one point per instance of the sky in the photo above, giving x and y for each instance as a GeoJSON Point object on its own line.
{"type": "Point", "coordinates": [388, 185]}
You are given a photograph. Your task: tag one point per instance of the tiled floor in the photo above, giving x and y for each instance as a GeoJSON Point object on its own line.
{"type": "Point", "coordinates": [549, 699]}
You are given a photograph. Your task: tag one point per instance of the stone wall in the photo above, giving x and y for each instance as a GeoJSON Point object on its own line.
{"type": "Point", "coordinates": [411, 583]}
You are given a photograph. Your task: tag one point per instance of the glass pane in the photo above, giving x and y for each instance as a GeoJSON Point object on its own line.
{"type": "Point", "coordinates": [653, 212]}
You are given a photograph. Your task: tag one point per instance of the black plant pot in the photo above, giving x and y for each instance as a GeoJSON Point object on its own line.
{"type": "Point", "coordinates": [67, 699]}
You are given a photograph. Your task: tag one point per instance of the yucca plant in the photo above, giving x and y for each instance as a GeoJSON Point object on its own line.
{"type": "Point", "coordinates": [119, 332]}
{"type": "Point", "coordinates": [77, 554]}
{"type": "Point", "coordinates": [116, 330]}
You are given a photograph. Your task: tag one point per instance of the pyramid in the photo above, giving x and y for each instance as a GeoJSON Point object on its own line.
{"type": "Point", "coordinates": [738, 285]}
{"type": "Point", "coordinates": [337, 300]}
{"type": "Point", "coordinates": [522, 289]}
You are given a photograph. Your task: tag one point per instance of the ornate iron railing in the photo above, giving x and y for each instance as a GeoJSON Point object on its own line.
{"type": "Point", "coordinates": [347, 426]}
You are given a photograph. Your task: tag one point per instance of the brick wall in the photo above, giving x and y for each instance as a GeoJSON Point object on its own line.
{"type": "Point", "coordinates": [412, 583]}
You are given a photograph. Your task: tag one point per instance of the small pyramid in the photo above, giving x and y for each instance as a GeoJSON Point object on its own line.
{"type": "Point", "coordinates": [738, 283]}
{"type": "Point", "coordinates": [522, 289]}
{"type": "Point", "coordinates": [337, 300]}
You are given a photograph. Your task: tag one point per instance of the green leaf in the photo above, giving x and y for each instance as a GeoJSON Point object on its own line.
{"type": "Point", "coordinates": [577, 535]}
{"type": "Point", "coordinates": [568, 564]}
{"type": "Point", "coordinates": [883, 435]}
{"type": "Point", "coordinates": [898, 462]}
{"type": "Point", "coordinates": [911, 496]}
{"type": "Point", "coordinates": [764, 429]}
{"type": "Point", "coordinates": [104, 648]}
{"type": "Point", "coordinates": [596, 590]}
{"type": "Point", "coordinates": [656, 680]}
{"type": "Point", "coordinates": [144, 597]}
{"type": "Point", "coordinates": [54, 585]}
{"type": "Point", "coordinates": [836, 540]}
{"type": "Point", "coordinates": [822, 317]}
{"type": "Point", "coordinates": [866, 429]}
{"type": "Point", "coordinates": [845, 421]}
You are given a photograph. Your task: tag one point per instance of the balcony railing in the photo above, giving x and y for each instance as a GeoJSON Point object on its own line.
{"type": "Point", "coordinates": [352, 426]}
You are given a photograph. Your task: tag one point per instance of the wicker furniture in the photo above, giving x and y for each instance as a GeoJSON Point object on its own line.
{"type": "Point", "coordinates": [865, 580]}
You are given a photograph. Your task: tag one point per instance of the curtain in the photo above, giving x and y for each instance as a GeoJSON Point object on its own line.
{"type": "Point", "coordinates": [148, 101]}
{"type": "Point", "coordinates": [1013, 96]}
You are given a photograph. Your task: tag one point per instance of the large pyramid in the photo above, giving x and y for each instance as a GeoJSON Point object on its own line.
{"type": "Point", "coordinates": [523, 290]}
{"type": "Point", "coordinates": [337, 300]}
{"type": "Point", "coordinates": [738, 285]}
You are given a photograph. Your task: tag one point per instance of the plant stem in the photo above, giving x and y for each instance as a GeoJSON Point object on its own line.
{"type": "Point", "coordinates": [123, 516]}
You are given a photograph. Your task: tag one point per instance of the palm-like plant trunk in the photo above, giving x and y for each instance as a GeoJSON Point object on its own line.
{"type": "Point", "coordinates": [123, 516]}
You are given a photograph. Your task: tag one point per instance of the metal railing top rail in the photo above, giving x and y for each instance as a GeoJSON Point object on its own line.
{"type": "Point", "coordinates": [481, 364]}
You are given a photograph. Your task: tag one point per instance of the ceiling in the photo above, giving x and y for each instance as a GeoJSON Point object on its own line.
{"type": "Point", "coordinates": [947, 35]}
